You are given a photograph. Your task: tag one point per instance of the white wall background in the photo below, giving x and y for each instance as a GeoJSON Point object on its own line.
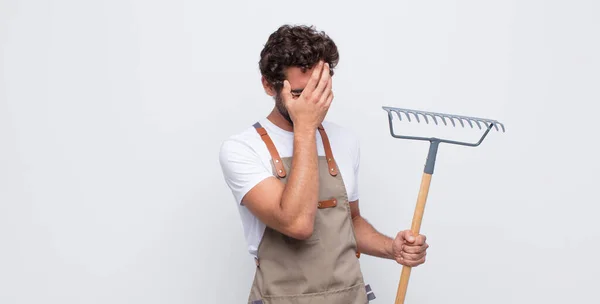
{"type": "Point", "coordinates": [112, 114]}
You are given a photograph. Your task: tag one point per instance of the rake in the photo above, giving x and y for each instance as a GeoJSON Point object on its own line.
{"type": "Point", "coordinates": [417, 115]}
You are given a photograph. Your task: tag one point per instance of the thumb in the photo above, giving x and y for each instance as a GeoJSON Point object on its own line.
{"type": "Point", "coordinates": [408, 236]}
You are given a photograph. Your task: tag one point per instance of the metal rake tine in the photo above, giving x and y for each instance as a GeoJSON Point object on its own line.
{"type": "Point", "coordinates": [444, 120]}
{"type": "Point", "coordinates": [502, 125]}
{"type": "Point", "coordinates": [467, 120]}
{"type": "Point", "coordinates": [416, 116]}
{"type": "Point", "coordinates": [470, 123]}
{"type": "Point", "coordinates": [494, 124]}
{"type": "Point", "coordinates": [407, 115]}
{"type": "Point", "coordinates": [397, 114]}
{"type": "Point", "coordinates": [460, 119]}
{"type": "Point", "coordinates": [452, 120]}
{"type": "Point", "coordinates": [425, 116]}
{"type": "Point", "coordinates": [434, 120]}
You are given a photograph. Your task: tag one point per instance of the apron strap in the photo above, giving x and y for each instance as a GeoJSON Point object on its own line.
{"type": "Point", "coordinates": [327, 147]}
{"type": "Point", "coordinates": [271, 147]}
{"type": "Point", "coordinates": [333, 170]}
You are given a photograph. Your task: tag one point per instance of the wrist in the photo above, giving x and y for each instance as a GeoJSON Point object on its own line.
{"type": "Point", "coordinates": [389, 248]}
{"type": "Point", "coordinates": [304, 130]}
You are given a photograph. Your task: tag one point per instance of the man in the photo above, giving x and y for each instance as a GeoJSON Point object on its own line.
{"type": "Point", "coordinates": [294, 178]}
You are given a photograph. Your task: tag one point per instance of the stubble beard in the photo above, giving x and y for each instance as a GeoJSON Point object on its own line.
{"type": "Point", "coordinates": [281, 108]}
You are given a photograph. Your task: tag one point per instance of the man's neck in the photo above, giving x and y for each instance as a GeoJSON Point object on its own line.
{"type": "Point", "coordinates": [277, 119]}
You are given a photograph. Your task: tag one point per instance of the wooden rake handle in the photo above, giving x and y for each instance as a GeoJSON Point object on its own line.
{"type": "Point", "coordinates": [416, 227]}
{"type": "Point", "coordinates": [418, 216]}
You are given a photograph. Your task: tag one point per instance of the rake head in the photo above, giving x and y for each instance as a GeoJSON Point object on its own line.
{"type": "Point", "coordinates": [418, 115]}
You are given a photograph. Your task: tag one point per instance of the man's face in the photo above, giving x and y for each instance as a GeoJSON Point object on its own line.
{"type": "Point", "coordinates": [298, 78]}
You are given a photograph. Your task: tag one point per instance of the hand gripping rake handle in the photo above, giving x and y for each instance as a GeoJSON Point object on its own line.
{"type": "Point", "coordinates": [429, 166]}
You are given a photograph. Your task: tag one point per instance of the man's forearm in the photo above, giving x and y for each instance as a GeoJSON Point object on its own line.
{"type": "Point", "coordinates": [370, 241]}
{"type": "Point", "coordinates": [300, 197]}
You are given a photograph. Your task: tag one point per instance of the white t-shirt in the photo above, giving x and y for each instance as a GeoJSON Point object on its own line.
{"type": "Point", "coordinates": [245, 161]}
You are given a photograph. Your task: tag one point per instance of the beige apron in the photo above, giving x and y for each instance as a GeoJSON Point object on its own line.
{"type": "Point", "coordinates": [323, 269]}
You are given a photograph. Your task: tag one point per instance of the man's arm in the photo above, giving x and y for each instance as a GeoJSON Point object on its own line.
{"type": "Point", "coordinates": [290, 208]}
{"type": "Point", "coordinates": [404, 249]}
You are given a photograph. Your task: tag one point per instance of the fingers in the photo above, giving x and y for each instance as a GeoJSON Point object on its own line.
{"type": "Point", "coordinates": [286, 92]}
{"type": "Point", "coordinates": [411, 257]}
{"type": "Point", "coordinates": [407, 236]}
{"type": "Point", "coordinates": [420, 240]}
{"type": "Point", "coordinates": [314, 79]}
{"type": "Point", "coordinates": [329, 99]}
{"type": "Point", "coordinates": [326, 93]}
{"type": "Point", "coordinates": [324, 82]}
{"type": "Point", "coordinates": [411, 262]}
{"type": "Point", "coordinates": [414, 249]}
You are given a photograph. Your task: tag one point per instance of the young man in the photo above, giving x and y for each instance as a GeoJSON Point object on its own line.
{"type": "Point", "coordinates": [294, 178]}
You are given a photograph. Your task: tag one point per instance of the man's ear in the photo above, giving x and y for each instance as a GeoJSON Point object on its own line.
{"type": "Point", "coordinates": [267, 86]}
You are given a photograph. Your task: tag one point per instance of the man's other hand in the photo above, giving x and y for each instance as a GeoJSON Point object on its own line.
{"type": "Point", "coordinates": [409, 250]}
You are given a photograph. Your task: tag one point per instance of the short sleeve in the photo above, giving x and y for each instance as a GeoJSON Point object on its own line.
{"type": "Point", "coordinates": [242, 167]}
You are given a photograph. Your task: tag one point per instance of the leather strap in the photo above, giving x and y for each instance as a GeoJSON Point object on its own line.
{"type": "Point", "coordinates": [328, 154]}
{"type": "Point", "coordinates": [331, 163]}
{"type": "Point", "coordinates": [327, 204]}
{"type": "Point", "coordinates": [271, 147]}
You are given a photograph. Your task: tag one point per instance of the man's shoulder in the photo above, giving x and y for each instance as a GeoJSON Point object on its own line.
{"type": "Point", "coordinates": [246, 134]}
{"type": "Point", "coordinates": [244, 140]}
{"type": "Point", "coordinates": [340, 133]}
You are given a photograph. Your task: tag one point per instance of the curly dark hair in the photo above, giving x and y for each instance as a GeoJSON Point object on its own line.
{"type": "Point", "coordinates": [295, 46]}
